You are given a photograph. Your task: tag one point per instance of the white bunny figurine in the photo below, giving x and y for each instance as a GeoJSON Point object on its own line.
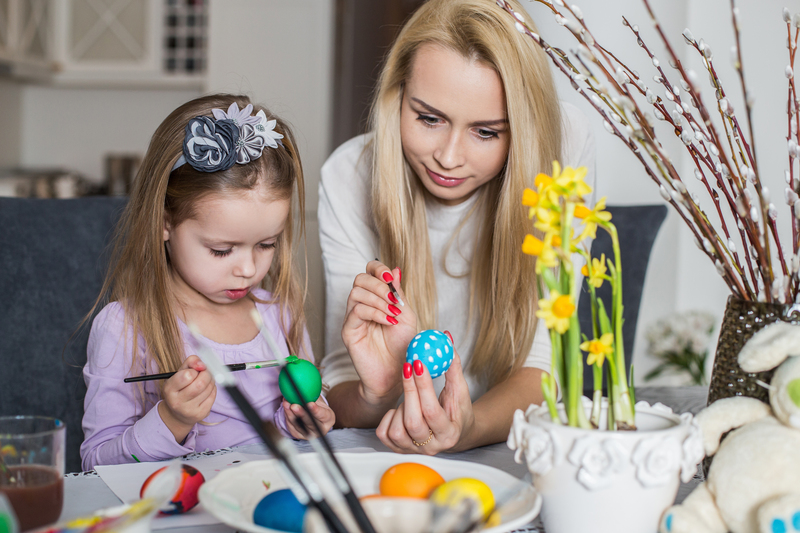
{"type": "Point", "coordinates": [753, 484]}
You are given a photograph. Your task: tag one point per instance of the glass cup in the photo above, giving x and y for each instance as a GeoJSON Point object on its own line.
{"type": "Point", "coordinates": [32, 468]}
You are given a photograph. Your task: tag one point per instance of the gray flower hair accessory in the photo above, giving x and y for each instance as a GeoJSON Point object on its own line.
{"type": "Point", "coordinates": [232, 136]}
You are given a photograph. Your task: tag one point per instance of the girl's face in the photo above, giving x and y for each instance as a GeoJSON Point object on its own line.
{"type": "Point", "coordinates": [227, 248]}
{"type": "Point", "coordinates": [453, 123]}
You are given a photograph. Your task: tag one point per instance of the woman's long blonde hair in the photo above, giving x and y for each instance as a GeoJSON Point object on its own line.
{"type": "Point", "coordinates": [502, 284]}
{"type": "Point", "coordinates": [139, 273]}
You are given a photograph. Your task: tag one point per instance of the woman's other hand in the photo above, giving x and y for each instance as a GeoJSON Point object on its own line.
{"type": "Point", "coordinates": [424, 424]}
{"type": "Point", "coordinates": [188, 397]}
{"type": "Point", "coordinates": [376, 332]}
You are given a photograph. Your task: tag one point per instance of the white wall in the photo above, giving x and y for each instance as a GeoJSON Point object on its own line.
{"type": "Point", "coordinates": [288, 67]}
{"type": "Point", "coordinates": [10, 117]}
{"type": "Point", "coordinates": [76, 128]}
{"type": "Point", "coordinates": [680, 277]}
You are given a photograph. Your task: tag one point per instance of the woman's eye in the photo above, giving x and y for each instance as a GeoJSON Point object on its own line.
{"type": "Point", "coordinates": [267, 245]}
{"type": "Point", "coordinates": [221, 253]}
{"type": "Point", "coordinates": [428, 120]}
{"type": "Point", "coordinates": [485, 135]}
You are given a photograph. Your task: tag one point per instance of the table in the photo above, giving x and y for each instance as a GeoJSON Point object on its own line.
{"type": "Point", "coordinates": [85, 493]}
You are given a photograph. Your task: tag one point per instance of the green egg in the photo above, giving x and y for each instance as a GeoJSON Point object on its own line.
{"type": "Point", "coordinates": [307, 378]}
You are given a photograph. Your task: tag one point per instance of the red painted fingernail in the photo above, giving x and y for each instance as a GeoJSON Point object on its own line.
{"type": "Point", "coordinates": [406, 370]}
{"type": "Point", "coordinates": [391, 298]}
{"type": "Point", "coordinates": [392, 320]}
{"type": "Point", "coordinates": [387, 277]}
{"type": "Point", "coordinates": [394, 310]}
{"type": "Point", "coordinates": [418, 367]}
{"type": "Point", "coordinates": [450, 336]}
{"type": "Point", "coordinates": [399, 274]}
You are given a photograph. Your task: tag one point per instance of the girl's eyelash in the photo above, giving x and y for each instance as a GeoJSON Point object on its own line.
{"type": "Point", "coordinates": [223, 253]}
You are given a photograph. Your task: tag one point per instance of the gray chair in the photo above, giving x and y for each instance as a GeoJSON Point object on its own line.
{"type": "Point", "coordinates": [52, 264]}
{"type": "Point", "coordinates": [637, 227]}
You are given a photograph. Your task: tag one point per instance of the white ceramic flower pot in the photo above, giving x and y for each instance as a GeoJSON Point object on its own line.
{"type": "Point", "coordinates": [607, 481]}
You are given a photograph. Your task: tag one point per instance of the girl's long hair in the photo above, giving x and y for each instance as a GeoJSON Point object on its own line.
{"type": "Point", "coordinates": [139, 272]}
{"type": "Point", "coordinates": [502, 280]}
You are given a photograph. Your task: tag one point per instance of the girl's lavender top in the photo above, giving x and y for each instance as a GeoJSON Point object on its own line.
{"type": "Point", "coordinates": [120, 428]}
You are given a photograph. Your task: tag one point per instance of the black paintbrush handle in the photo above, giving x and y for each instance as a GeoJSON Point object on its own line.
{"type": "Point", "coordinates": [352, 501]}
{"type": "Point", "coordinates": [255, 421]}
{"type": "Point", "coordinates": [166, 375]}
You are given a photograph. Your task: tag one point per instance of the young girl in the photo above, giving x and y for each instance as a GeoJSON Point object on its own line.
{"type": "Point", "coordinates": [207, 230]}
{"type": "Point", "coordinates": [464, 118]}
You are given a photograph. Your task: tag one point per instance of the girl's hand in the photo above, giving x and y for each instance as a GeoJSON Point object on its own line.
{"type": "Point", "coordinates": [187, 397]}
{"type": "Point", "coordinates": [322, 413]}
{"type": "Point", "coordinates": [435, 425]}
{"type": "Point", "coordinates": [377, 330]}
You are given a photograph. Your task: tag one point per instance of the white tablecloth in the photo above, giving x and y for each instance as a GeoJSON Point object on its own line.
{"type": "Point", "coordinates": [85, 493]}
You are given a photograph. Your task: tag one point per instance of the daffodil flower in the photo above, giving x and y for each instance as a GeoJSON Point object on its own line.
{"type": "Point", "coordinates": [592, 217]}
{"type": "Point", "coordinates": [530, 199]}
{"type": "Point", "coordinates": [556, 311]}
{"type": "Point", "coordinates": [598, 349]}
{"type": "Point", "coordinates": [596, 277]}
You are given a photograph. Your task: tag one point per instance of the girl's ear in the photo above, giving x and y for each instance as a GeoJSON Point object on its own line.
{"type": "Point", "coordinates": [167, 228]}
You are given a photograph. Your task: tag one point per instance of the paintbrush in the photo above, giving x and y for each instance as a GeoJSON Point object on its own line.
{"type": "Point", "coordinates": [300, 482]}
{"type": "Point", "coordinates": [233, 367]}
{"type": "Point", "coordinates": [394, 291]}
{"type": "Point", "coordinates": [329, 461]}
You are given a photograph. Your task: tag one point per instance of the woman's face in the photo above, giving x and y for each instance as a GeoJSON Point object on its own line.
{"type": "Point", "coordinates": [453, 123]}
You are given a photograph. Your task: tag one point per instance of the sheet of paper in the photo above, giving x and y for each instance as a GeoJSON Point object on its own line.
{"type": "Point", "coordinates": [126, 481]}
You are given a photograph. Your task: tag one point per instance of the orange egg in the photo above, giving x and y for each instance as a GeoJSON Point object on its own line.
{"type": "Point", "coordinates": [409, 480]}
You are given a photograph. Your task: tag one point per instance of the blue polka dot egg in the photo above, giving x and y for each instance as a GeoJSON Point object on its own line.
{"type": "Point", "coordinates": [434, 349]}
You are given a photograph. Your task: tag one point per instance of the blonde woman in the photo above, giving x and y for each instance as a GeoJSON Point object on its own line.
{"type": "Point", "coordinates": [465, 116]}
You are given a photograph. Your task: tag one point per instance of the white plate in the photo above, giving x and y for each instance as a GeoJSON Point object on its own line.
{"type": "Point", "coordinates": [233, 494]}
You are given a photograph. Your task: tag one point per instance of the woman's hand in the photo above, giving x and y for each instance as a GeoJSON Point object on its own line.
{"type": "Point", "coordinates": [424, 424]}
{"type": "Point", "coordinates": [188, 397]}
{"type": "Point", "coordinates": [377, 330]}
{"type": "Point", "coordinates": [320, 410]}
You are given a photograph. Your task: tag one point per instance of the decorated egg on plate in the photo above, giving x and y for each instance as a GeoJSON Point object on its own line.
{"type": "Point", "coordinates": [186, 496]}
{"type": "Point", "coordinates": [409, 480]}
{"type": "Point", "coordinates": [280, 510]}
{"type": "Point", "coordinates": [455, 490]}
{"type": "Point", "coordinates": [434, 349]}
{"type": "Point", "coordinates": [306, 377]}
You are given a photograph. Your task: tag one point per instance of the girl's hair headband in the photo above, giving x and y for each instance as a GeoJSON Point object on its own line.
{"type": "Point", "coordinates": [230, 137]}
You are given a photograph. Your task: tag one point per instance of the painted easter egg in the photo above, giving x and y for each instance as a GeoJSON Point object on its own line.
{"type": "Point", "coordinates": [455, 490]}
{"type": "Point", "coordinates": [434, 349]}
{"type": "Point", "coordinates": [409, 480]}
{"type": "Point", "coordinates": [307, 378]}
{"type": "Point", "coordinates": [186, 496]}
{"type": "Point", "coordinates": [280, 510]}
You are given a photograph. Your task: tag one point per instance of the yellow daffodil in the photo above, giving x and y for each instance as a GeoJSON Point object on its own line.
{"type": "Point", "coordinates": [571, 179]}
{"type": "Point", "coordinates": [556, 311]}
{"type": "Point", "coordinates": [593, 217]}
{"type": "Point", "coordinates": [532, 245]}
{"type": "Point", "coordinates": [598, 349]}
{"type": "Point", "coordinates": [598, 273]}
{"type": "Point", "coordinates": [530, 199]}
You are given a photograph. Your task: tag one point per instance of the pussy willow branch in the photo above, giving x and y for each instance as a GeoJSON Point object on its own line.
{"type": "Point", "coordinates": [754, 232]}
{"type": "Point", "coordinates": [712, 245]}
{"type": "Point", "coordinates": [733, 168]}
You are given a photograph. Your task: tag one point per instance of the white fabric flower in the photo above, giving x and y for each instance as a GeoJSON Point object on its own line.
{"type": "Point", "coordinates": [599, 460]}
{"type": "Point", "coordinates": [657, 460]}
{"type": "Point", "coordinates": [266, 129]}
